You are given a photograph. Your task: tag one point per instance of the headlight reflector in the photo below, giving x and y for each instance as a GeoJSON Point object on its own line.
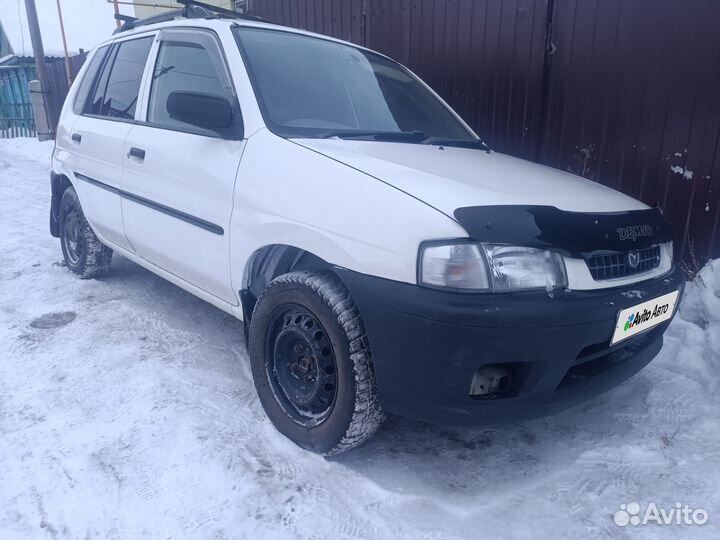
{"type": "Point", "coordinates": [517, 268]}
{"type": "Point", "coordinates": [490, 267]}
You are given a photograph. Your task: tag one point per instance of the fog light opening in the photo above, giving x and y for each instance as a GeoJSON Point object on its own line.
{"type": "Point", "coordinates": [493, 380]}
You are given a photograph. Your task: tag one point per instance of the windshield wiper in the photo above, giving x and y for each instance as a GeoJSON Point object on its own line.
{"type": "Point", "coordinates": [477, 144]}
{"type": "Point", "coordinates": [401, 136]}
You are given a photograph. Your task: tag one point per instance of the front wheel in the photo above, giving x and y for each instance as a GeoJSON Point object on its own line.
{"type": "Point", "coordinates": [311, 363]}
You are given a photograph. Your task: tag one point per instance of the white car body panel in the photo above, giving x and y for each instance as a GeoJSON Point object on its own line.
{"type": "Point", "coordinates": [100, 155]}
{"type": "Point", "coordinates": [450, 178]}
{"type": "Point", "coordinates": [337, 213]}
{"type": "Point", "coordinates": [191, 174]}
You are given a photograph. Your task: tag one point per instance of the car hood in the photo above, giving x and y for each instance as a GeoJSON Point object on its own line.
{"type": "Point", "coordinates": [448, 178]}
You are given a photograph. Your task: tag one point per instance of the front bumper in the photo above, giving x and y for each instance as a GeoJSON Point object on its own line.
{"type": "Point", "coordinates": [428, 344]}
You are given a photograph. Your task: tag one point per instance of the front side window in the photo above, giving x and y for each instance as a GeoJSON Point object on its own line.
{"type": "Point", "coordinates": [312, 87]}
{"type": "Point", "coordinates": [182, 66]}
{"type": "Point", "coordinates": [116, 93]}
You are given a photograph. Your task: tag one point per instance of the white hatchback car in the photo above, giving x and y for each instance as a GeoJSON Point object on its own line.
{"type": "Point", "coordinates": [381, 256]}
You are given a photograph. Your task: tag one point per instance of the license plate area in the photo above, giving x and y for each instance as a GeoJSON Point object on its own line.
{"type": "Point", "coordinates": [641, 317]}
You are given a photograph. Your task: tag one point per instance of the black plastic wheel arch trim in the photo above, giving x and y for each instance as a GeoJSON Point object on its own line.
{"type": "Point", "coordinates": [575, 234]}
{"type": "Point", "coordinates": [177, 214]}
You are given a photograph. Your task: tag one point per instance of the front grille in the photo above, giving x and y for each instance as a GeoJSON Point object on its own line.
{"type": "Point", "coordinates": [599, 358]}
{"type": "Point", "coordinates": [616, 265]}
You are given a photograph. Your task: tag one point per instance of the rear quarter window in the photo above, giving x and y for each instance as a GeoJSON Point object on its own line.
{"type": "Point", "coordinates": [89, 79]}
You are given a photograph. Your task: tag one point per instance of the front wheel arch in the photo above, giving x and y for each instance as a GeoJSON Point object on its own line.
{"type": "Point", "coordinates": [270, 262]}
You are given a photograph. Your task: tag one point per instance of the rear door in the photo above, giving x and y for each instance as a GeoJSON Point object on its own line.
{"type": "Point", "coordinates": [106, 104]}
{"type": "Point", "coordinates": [179, 179]}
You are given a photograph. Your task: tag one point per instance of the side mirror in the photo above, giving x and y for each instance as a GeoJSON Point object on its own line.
{"type": "Point", "coordinates": [206, 111]}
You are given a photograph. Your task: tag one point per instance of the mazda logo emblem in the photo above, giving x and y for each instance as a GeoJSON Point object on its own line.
{"type": "Point", "coordinates": [633, 259]}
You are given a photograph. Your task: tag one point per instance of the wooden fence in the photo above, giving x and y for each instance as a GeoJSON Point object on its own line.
{"type": "Point", "coordinates": [16, 114]}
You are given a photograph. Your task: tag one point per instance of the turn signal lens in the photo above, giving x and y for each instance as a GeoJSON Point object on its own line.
{"type": "Point", "coordinates": [459, 266]}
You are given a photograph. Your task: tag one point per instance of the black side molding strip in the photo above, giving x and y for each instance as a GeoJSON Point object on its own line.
{"type": "Point", "coordinates": [177, 214]}
{"type": "Point", "coordinates": [97, 183]}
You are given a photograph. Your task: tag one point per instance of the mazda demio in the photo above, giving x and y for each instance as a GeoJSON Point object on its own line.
{"type": "Point", "coordinates": [382, 257]}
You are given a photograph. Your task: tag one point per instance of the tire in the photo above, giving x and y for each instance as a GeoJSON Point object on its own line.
{"type": "Point", "coordinates": [82, 251]}
{"type": "Point", "coordinates": [311, 363]}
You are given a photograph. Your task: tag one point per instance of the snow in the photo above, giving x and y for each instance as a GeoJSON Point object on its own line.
{"type": "Point", "coordinates": [87, 23]}
{"type": "Point", "coordinates": [684, 171]}
{"type": "Point", "coordinates": [127, 410]}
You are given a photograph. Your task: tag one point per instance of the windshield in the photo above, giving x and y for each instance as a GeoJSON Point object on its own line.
{"type": "Point", "coordinates": [311, 87]}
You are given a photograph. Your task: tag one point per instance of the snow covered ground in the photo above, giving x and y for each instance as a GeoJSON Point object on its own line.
{"type": "Point", "coordinates": [127, 411]}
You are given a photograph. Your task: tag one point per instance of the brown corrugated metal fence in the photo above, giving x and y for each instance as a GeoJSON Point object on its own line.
{"type": "Point", "coordinates": [624, 93]}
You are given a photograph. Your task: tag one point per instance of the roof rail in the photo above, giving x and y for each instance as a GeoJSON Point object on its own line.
{"type": "Point", "coordinates": [221, 12]}
{"type": "Point", "coordinates": [125, 18]}
{"type": "Point", "coordinates": [192, 10]}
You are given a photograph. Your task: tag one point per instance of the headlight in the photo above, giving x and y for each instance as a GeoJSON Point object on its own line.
{"type": "Point", "coordinates": [513, 268]}
{"type": "Point", "coordinates": [490, 267]}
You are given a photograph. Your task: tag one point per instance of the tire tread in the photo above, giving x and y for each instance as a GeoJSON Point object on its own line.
{"type": "Point", "coordinates": [98, 256]}
{"type": "Point", "coordinates": [368, 415]}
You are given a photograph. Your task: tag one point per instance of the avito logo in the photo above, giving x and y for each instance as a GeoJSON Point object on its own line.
{"type": "Point", "coordinates": [638, 318]}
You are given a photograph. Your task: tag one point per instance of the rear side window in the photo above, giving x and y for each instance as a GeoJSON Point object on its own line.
{"type": "Point", "coordinates": [116, 92]}
{"type": "Point", "coordinates": [81, 98]}
{"type": "Point", "coordinates": [183, 66]}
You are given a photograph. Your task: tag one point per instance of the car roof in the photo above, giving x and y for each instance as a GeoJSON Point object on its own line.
{"type": "Point", "coordinates": [219, 23]}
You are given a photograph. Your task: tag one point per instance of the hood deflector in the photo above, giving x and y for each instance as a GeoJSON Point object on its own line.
{"type": "Point", "coordinates": [575, 234]}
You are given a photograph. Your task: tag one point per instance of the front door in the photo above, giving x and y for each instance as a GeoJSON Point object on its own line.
{"type": "Point", "coordinates": [179, 179]}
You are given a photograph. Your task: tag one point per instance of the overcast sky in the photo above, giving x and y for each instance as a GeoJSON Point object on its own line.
{"type": "Point", "coordinates": [87, 22]}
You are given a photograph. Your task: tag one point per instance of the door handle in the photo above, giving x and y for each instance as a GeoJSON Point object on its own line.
{"type": "Point", "coordinates": [76, 137]}
{"type": "Point", "coordinates": [137, 153]}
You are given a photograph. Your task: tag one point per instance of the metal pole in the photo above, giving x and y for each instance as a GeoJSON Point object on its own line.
{"type": "Point", "coordinates": [144, 4]}
{"type": "Point", "coordinates": [39, 54]}
{"type": "Point", "coordinates": [117, 11]}
{"type": "Point", "coordinates": [68, 71]}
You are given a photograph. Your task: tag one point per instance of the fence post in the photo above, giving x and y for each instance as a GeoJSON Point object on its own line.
{"type": "Point", "coordinates": [39, 53]}
{"type": "Point", "coordinates": [38, 100]}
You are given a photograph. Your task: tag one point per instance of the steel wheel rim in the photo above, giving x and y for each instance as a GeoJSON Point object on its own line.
{"type": "Point", "coordinates": [301, 365]}
{"type": "Point", "coordinates": [72, 237]}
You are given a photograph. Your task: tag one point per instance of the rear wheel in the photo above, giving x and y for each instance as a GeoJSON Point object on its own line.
{"type": "Point", "coordinates": [82, 251]}
{"type": "Point", "coordinates": [311, 363]}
